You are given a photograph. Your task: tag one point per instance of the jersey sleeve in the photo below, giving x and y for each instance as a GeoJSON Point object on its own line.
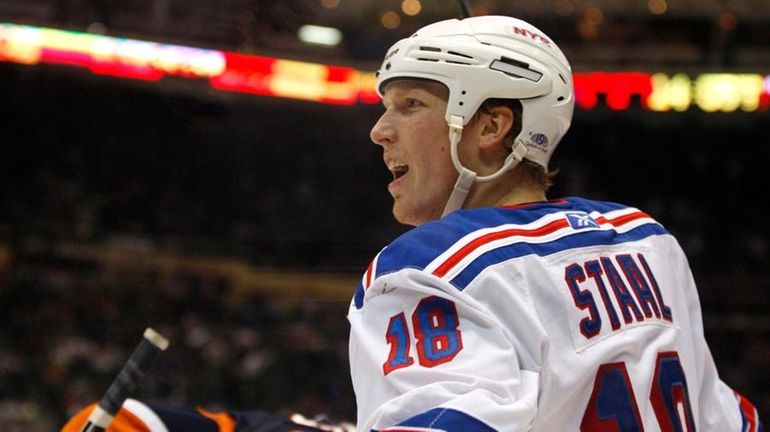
{"type": "Point", "coordinates": [425, 355]}
{"type": "Point", "coordinates": [136, 416]}
{"type": "Point", "coordinates": [720, 407]}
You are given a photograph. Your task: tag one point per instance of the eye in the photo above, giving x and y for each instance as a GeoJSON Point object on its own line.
{"type": "Point", "coordinates": [413, 103]}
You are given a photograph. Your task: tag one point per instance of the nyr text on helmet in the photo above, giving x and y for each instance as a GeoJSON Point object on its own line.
{"type": "Point", "coordinates": [537, 37]}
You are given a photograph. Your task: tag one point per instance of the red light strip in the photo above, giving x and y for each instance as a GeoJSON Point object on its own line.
{"type": "Point", "coordinates": [619, 88]}
{"type": "Point", "coordinates": [330, 84]}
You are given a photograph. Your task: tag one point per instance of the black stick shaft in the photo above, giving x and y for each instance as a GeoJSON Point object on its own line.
{"type": "Point", "coordinates": [124, 384]}
{"type": "Point", "coordinates": [466, 8]}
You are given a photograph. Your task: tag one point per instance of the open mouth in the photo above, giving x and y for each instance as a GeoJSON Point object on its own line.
{"type": "Point", "coordinates": [399, 171]}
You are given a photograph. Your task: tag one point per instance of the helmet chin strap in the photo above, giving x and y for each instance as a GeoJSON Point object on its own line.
{"type": "Point", "coordinates": [466, 177]}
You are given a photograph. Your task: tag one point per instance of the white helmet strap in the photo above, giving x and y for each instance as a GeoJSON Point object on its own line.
{"type": "Point", "coordinates": [466, 177]}
{"type": "Point", "coordinates": [462, 188]}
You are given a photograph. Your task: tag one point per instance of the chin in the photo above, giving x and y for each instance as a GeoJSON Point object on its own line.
{"type": "Point", "coordinates": [402, 215]}
{"type": "Point", "coordinates": [403, 219]}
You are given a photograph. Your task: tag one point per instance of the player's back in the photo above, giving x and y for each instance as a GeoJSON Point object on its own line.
{"type": "Point", "coordinates": [596, 303]}
{"type": "Point", "coordinates": [616, 325]}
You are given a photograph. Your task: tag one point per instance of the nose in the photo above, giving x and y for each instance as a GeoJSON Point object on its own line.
{"type": "Point", "coordinates": [382, 132]}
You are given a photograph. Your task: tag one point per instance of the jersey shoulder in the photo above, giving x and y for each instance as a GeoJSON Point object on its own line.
{"type": "Point", "coordinates": [466, 241]}
{"type": "Point", "coordinates": [420, 246]}
{"type": "Point", "coordinates": [423, 245]}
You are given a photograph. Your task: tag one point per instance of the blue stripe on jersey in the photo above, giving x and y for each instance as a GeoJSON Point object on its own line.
{"type": "Point", "coordinates": [358, 297]}
{"type": "Point", "coordinates": [577, 240]}
{"type": "Point", "coordinates": [746, 424]}
{"type": "Point", "coordinates": [419, 246]}
{"type": "Point", "coordinates": [445, 419]}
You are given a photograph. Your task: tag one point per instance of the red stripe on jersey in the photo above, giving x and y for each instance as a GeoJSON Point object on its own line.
{"type": "Point", "coordinates": [466, 250]}
{"type": "Point", "coordinates": [749, 413]}
{"type": "Point", "coordinates": [369, 271]}
{"type": "Point", "coordinates": [624, 219]}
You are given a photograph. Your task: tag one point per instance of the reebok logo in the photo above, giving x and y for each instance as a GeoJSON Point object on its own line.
{"type": "Point", "coordinates": [581, 220]}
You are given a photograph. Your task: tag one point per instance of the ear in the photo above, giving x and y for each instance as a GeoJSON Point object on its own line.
{"type": "Point", "coordinates": [496, 123]}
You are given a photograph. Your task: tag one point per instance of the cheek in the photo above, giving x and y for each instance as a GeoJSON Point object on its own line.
{"type": "Point", "coordinates": [431, 146]}
{"type": "Point", "coordinates": [438, 163]}
{"type": "Point", "coordinates": [441, 153]}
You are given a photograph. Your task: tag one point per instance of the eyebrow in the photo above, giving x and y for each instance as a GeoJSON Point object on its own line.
{"type": "Point", "coordinates": [431, 87]}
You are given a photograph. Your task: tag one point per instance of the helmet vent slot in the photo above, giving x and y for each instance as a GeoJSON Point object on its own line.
{"type": "Point", "coordinates": [460, 54]}
{"type": "Point", "coordinates": [432, 50]}
{"type": "Point", "coordinates": [437, 54]}
{"type": "Point", "coordinates": [516, 69]}
{"type": "Point", "coordinates": [514, 62]}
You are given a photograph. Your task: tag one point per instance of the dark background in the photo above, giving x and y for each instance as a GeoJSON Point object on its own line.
{"type": "Point", "coordinates": [129, 172]}
{"type": "Point", "coordinates": [128, 204]}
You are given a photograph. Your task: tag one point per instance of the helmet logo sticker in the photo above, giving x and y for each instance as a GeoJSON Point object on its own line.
{"type": "Point", "coordinates": [391, 54]}
{"type": "Point", "coordinates": [538, 141]}
{"type": "Point", "coordinates": [537, 37]}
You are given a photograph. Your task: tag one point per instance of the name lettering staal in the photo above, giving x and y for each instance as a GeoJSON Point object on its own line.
{"type": "Point", "coordinates": [634, 298]}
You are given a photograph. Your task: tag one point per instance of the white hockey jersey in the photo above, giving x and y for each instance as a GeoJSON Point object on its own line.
{"type": "Point", "coordinates": [569, 315]}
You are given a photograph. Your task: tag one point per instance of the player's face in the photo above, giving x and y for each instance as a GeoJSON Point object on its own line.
{"type": "Point", "coordinates": [414, 136]}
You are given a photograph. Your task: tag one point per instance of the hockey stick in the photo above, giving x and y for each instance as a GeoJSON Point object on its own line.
{"type": "Point", "coordinates": [124, 384]}
{"type": "Point", "coordinates": [467, 12]}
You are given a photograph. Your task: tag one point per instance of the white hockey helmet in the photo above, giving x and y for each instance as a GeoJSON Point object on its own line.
{"type": "Point", "coordinates": [485, 57]}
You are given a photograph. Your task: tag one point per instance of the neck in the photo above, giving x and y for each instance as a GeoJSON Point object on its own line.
{"type": "Point", "coordinates": [511, 189]}
{"type": "Point", "coordinates": [521, 197]}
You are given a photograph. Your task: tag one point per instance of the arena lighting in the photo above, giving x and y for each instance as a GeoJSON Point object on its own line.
{"type": "Point", "coordinates": [659, 92]}
{"type": "Point", "coordinates": [319, 35]}
{"type": "Point", "coordinates": [729, 92]}
{"type": "Point", "coordinates": [269, 76]}
{"type": "Point", "coordinates": [619, 88]}
{"type": "Point", "coordinates": [670, 93]}
{"type": "Point", "coordinates": [107, 55]}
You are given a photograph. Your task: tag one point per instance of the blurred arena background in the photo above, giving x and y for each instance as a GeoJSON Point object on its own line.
{"type": "Point", "coordinates": [205, 168]}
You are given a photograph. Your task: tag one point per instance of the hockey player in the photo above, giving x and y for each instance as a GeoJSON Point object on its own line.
{"type": "Point", "coordinates": [502, 310]}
